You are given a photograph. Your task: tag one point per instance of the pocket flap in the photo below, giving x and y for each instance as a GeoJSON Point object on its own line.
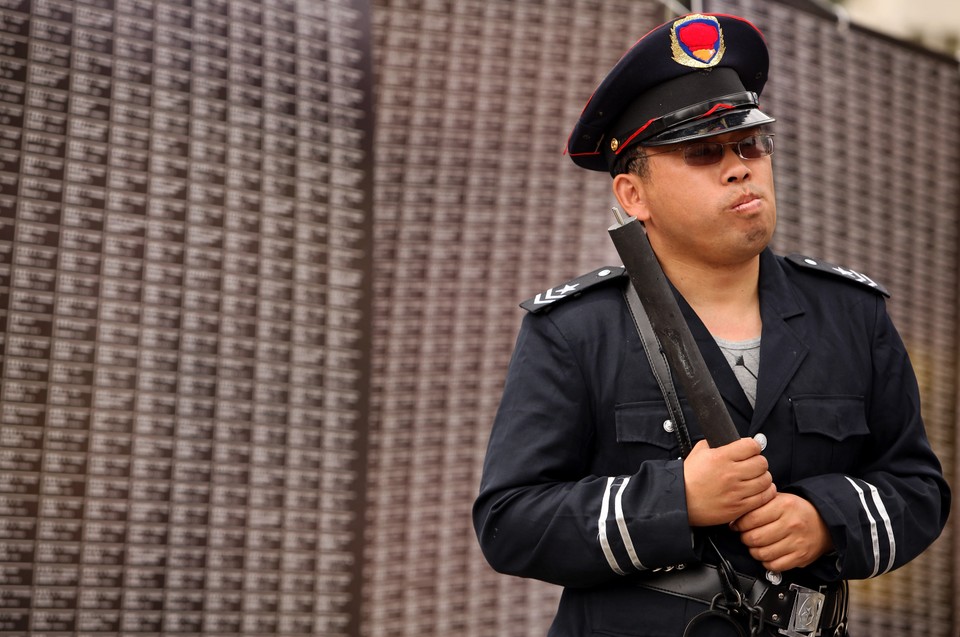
{"type": "Point", "coordinates": [836, 417]}
{"type": "Point", "coordinates": [643, 423]}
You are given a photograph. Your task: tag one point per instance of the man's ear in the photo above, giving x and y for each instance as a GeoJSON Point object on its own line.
{"type": "Point", "coordinates": [631, 194]}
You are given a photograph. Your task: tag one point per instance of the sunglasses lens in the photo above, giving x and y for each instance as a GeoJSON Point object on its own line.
{"type": "Point", "coordinates": [707, 153]}
{"type": "Point", "coordinates": [702, 153]}
{"type": "Point", "coordinates": [756, 146]}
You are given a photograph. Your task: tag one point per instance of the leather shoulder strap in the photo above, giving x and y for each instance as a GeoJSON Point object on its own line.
{"type": "Point", "coordinates": [658, 363]}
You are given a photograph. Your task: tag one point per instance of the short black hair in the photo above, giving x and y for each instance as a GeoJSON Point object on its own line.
{"type": "Point", "coordinates": [633, 161]}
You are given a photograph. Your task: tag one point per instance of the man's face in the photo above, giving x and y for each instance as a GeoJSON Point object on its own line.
{"type": "Point", "coordinates": [714, 215]}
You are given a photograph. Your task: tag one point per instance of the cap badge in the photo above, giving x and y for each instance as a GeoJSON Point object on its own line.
{"type": "Point", "coordinates": [697, 41]}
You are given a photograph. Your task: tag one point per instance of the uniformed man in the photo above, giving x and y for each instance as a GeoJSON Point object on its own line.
{"type": "Point", "coordinates": [586, 483]}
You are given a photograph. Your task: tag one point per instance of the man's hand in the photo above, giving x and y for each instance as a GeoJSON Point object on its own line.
{"type": "Point", "coordinates": [785, 533]}
{"type": "Point", "coordinates": [725, 483]}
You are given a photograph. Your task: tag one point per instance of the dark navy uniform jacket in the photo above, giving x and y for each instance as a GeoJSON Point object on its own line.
{"type": "Point", "coordinates": [583, 486]}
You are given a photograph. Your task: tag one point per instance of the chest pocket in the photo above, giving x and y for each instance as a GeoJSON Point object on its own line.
{"type": "Point", "coordinates": [641, 432]}
{"type": "Point", "coordinates": [830, 432]}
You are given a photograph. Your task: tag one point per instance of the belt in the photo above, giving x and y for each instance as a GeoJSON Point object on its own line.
{"type": "Point", "coordinates": [796, 611]}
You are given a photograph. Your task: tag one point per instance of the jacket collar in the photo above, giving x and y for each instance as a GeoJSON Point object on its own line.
{"type": "Point", "coordinates": [782, 347]}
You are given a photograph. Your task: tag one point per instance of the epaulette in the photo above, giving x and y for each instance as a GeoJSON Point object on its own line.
{"type": "Point", "coordinates": [844, 273]}
{"type": "Point", "coordinates": [572, 288]}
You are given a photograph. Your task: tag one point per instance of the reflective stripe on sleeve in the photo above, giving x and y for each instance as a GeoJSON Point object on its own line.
{"type": "Point", "coordinates": [874, 530]}
{"type": "Point", "coordinates": [887, 524]}
{"type": "Point", "coordinates": [624, 531]}
{"type": "Point", "coordinates": [602, 523]}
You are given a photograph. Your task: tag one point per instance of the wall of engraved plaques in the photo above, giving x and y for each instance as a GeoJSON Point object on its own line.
{"type": "Point", "coordinates": [249, 366]}
{"type": "Point", "coordinates": [184, 274]}
{"type": "Point", "coordinates": [476, 210]}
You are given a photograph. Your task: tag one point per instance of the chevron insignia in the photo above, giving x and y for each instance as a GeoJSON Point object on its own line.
{"type": "Point", "coordinates": [571, 288]}
{"type": "Point", "coordinates": [554, 294]}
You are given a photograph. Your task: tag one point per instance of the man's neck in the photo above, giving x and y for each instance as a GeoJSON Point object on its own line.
{"type": "Point", "coordinates": [725, 298]}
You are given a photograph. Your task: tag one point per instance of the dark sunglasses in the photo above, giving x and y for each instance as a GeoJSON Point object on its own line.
{"type": "Point", "coordinates": [707, 153]}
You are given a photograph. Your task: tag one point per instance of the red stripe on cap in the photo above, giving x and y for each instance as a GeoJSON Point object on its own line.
{"type": "Point", "coordinates": [627, 141]}
{"type": "Point", "coordinates": [715, 109]}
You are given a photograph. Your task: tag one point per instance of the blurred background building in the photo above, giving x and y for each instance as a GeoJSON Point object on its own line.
{"type": "Point", "coordinates": [260, 264]}
{"type": "Point", "coordinates": [934, 24]}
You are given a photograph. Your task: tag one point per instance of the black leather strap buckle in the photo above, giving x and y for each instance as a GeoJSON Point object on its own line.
{"type": "Point", "coordinates": [790, 610]}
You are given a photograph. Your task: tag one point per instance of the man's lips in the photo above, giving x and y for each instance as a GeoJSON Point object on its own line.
{"type": "Point", "coordinates": [747, 203]}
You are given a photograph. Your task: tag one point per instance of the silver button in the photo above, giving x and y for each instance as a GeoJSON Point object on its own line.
{"type": "Point", "coordinates": [668, 426]}
{"type": "Point", "coordinates": [762, 439]}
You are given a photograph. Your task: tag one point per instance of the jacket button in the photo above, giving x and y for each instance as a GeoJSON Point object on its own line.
{"type": "Point", "coordinates": [762, 440]}
{"type": "Point", "coordinates": [668, 426]}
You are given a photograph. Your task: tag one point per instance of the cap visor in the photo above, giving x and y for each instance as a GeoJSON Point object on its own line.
{"type": "Point", "coordinates": [708, 127]}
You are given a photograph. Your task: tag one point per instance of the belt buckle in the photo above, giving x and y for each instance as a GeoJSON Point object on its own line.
{"type": "Point", "coordinates": [805, 617]}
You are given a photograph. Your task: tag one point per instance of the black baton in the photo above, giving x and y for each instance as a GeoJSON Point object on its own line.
{"type": "Point", "coordinates": [676, 341]}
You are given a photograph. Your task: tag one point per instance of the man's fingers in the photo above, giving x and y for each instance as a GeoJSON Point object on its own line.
{"type": "Point", "coordinates": [742, 449]}
{"type": "Point", "coordinates": [760, 514]}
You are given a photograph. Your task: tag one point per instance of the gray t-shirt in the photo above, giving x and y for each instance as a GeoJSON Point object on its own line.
{"type": "Point", "coordinates": [744, 359]}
